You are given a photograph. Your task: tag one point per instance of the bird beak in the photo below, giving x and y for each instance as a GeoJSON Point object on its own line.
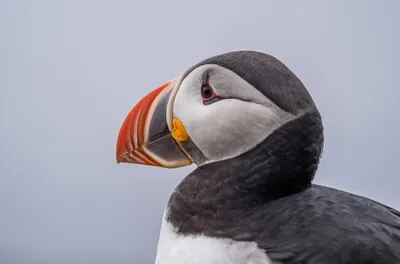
{"type": "Point", "coordinates": [145, 136]}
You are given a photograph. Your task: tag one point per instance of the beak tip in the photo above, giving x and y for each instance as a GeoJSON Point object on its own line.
{"type": "Point", "coordinates": [118, 154]}
{"type": "Point", "coordinates": [121, 157]}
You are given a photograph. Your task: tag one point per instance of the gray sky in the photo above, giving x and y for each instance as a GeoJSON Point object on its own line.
{"type": "Point", "coordinates": [71, 71]}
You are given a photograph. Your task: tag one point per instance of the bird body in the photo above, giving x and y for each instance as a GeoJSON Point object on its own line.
{"type": "Point", "coordinates": [256, 135]}
{"type": "Point", "coordinates": [318, 225]}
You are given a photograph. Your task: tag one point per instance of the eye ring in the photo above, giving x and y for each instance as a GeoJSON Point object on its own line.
{"type": "Point", "coordinates": [207, 92]}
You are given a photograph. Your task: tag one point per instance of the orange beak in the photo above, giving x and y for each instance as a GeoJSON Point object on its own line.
{"type": "Point", "coordinates": [145, 138]}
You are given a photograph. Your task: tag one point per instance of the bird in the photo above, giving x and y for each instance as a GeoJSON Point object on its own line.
{"type": "Point", "coordinates": [256, 136]}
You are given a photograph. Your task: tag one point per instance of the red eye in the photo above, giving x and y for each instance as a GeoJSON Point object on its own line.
{"type": "Point", "coordinates": [207, 93]}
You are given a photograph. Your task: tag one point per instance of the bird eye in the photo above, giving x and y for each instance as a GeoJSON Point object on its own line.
{"type": "Point", "coordinates": [207, 92]}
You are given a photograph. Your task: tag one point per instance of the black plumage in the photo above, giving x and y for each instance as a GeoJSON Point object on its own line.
{"type": "Point", "coordinates": [266, 195]}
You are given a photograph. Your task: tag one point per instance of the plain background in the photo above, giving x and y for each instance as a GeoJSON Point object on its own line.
{"type": "Point", "coordinates": [71, 70]}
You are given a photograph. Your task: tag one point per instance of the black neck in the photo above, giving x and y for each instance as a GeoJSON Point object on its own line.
{"type": "Point", "coordinates": [283, 164]}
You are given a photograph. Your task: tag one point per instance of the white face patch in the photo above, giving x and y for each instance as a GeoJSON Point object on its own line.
{"type": "Point", "coordinates": [178, 249]}
{"type": "Point", "coordinates": [231, 126]}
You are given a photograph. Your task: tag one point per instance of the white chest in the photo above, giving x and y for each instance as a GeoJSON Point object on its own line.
{"type": "Point", "coordinates": [177, 249]}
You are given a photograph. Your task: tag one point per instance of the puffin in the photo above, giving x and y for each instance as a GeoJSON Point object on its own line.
{"type": "Point", "coordinates": [256, 135]}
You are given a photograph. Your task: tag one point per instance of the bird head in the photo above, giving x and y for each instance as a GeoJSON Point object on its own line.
{"type": "Point", "coordinates": [218, 109]}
